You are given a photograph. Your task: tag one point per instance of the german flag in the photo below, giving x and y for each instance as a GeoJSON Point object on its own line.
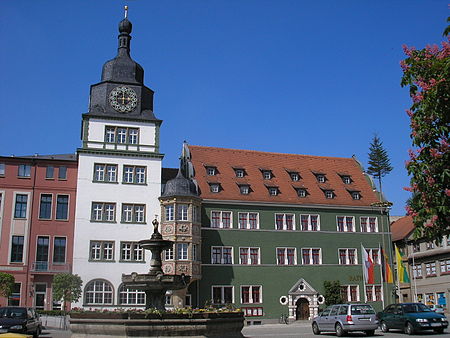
{"type": "Point", "coordinates": [386, 268]}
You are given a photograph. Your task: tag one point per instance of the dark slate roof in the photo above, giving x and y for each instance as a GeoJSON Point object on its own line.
{"type": "Point", "coordinates": [180, 186]}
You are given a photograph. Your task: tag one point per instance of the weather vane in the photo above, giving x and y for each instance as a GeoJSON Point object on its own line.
{"type": "Point", "coordinates": [126, 12]}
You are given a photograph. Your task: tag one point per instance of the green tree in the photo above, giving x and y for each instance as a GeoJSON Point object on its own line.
{"type": "Point", "coordinates": [379, 163]}
{"type": "Point", "coordinates": [6, 284]}
{"type": "Point", "coordinates": [332, 292]}
{"type": "Point", "coordinates": [67, 287]}
{"type": "Point", "coordinates": [427, 73]}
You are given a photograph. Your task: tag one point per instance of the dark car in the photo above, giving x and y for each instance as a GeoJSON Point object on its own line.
{"type": "Point", "coordinates": [411, 318]}
{"type": "Point", "coordinates": [343, 318]}
{"type": "Point", "coordinates": [20, 319]}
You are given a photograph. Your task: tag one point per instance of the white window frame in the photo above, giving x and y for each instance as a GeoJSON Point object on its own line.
{"type": "Point", "coordinates": [267, 174]}
{"type": "Point", "coordinates": [372, 289]}
{"type": "Point", "coordinates": [329, 194]}
{"type": "Point", "coordinates": [356, 195]}
{"type": "Point", "coordinates": [311, 256]}
{"type": "Point", "coordinates": [444, 265]}
{"type": "Point", "coordinates": [347, 256]}
{"type": "Point", "coordinates": [417, 271]}
{"type": "Point", "coordinates": [211, 171]}
{"type": "Point", "coordinates": [249, 260]}
{"type": "Point", "coordinates": [309, 222]}
{"type": "Point", "coordinates": [370, 253]}
{"type": "Point", "coordinates": [346, 179]}
{"type": "Point", "coordinates": [301, 192]}
{"type": "Point", "coordinates": [284, 221]}
{"type": "Point", "coordinates": [244, 189]}
{"type": "Point", "coordinates": [222, 260]}
{"type": "Point", "coordinates": [222, 293]}
{"type": "Point", "coordinates": [345, 224]}
{"type": "Point", "coordinates": [138, 296]}
{"type": "Point", "coordinates": [134, 174]}
{"type": "Point", "coordinates": [321, 178]}
{"type": "Point", "coordinates": [286, 260]}
{"type": "Point", "coordinates": [169, 212]}
{"type": "Point", "coordinates": [358, 296]}
{"type": "Point", "coordinates": [221, 218]}
{"type": "Point", "coordinates": [101, 250]}
{"type": "Point", "coordinates": [182, 212]}
{"type": "Point", "coordinates": [214, 187]}
{"type": "Point", "coordinates": [430, 269]}
{"type": "Point", "coordinates": [102, 212]}
{"type": "Point", "coordinates": [182, 251]}
{"type": "Point", "coordinates": [247, 220]}
{"type": "Point", "coordinates": [368, 218]}
{"type": "Point", "coordinates": [134, 250]}
{"type": "Point", "coordinates": [239, 173]}
{"type": "Point", "coordinates": [273, 191]}
{"type": "Point", "coordinates": [102, 291]}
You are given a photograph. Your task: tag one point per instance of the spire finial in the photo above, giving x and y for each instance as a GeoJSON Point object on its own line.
{"type": "Point", "coordinates": [126, 12]}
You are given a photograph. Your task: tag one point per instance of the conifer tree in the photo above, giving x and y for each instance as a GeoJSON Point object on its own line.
{"type": "Point", "coordinates": [379, 163]}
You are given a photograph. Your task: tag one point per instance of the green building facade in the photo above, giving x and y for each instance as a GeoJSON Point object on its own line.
{"type": "Point", "coordinates": [269, 255]}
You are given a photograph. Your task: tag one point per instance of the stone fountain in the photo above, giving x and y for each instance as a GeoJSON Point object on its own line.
{"type": "Point", "coordinates": [155, 283]}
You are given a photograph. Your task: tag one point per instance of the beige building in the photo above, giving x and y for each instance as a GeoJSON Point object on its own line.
{"type": "Point", "coordinates": [428, 265]}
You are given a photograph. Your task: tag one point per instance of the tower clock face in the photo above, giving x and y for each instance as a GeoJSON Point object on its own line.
{"type": "Point", "coordinates": [123, 99]}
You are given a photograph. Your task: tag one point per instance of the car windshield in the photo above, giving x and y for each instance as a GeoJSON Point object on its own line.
{"type": "Point", "coordinates": [413, 308]}
{"type": "Point", "coordinates": [362, 310]}
{"type": "Point", "coordinates": [13, 313]}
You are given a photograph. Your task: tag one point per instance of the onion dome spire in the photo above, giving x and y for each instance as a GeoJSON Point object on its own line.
{"type": "Point", "coordinates": [122, 68]}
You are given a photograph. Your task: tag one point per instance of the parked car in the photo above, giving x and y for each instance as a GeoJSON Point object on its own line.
{"type": "Point", "coordinates": [343, 318]}
{"type": "Point", "coordinates": [19, 319]}
{"type": "Point", "coordinates": [437, 308]}
{"type": "Point", "coordinates": [411, 318]}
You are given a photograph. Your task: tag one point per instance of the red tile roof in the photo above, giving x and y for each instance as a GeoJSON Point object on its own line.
{"type": "Point", "coordinates": [401, 228]}
{"type": "Point", "coordinates": [280, 165]}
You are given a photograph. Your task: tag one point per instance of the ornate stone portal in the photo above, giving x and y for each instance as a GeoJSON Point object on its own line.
{"type": "Point", "coordinates": [155, 283]}
{"type": "Point", "coordinates": [303, 301]}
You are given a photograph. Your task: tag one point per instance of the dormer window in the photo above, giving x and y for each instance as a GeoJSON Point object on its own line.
{"type": "Point", "coordinates": [301, 192]}
{"type": "Point", "coordinates": [356, 195]}
{"type": "Point", "coordinates": [239, 172]}
{"type": "Point", "coordinates": [267, 174]}
{"type": "Point", "coordinates": [320, 178]}
{"type": "Point", "coordinates": [244, 189]}
{"type": "Point", "coordinates": [294, 176]}
{"type": "Point", "coordinates": [273, 191]}
{"type": "Point", "coordinates": [329, 194]}
{"type": "Point", "coordinates": [346, 179]}
{"type": "Point", "coordinates": [214, 187]}
{"type": "Point", "coordinates": [211, 171]}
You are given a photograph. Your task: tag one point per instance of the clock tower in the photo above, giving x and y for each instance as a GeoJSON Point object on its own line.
{"type": "Point", "coordinates": [119, 181]}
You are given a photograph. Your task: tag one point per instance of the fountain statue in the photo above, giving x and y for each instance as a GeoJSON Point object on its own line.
{"type": "Point", "coordinates": [155, 283]}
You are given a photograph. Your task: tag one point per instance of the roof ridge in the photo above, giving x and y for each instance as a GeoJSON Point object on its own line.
{"type": "Point", "coordinates": [272, 153]}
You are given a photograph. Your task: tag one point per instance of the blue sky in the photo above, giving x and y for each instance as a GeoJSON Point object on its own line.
{"type": "Point", "coordinates": [290, 76]}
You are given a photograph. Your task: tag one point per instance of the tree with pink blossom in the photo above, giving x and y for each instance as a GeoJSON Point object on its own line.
{"type": "Point", "coordinates": [427, 73]}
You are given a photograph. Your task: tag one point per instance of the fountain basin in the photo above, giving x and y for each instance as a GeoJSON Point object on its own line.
{"type": "Point", "coordinates": [220, 324]}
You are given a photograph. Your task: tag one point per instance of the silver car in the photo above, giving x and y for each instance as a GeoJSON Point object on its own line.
{"type": "Point", "coordinates": [343, 318]}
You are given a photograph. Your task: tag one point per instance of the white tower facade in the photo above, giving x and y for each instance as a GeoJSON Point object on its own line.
{"type": "Point", "coordinates": [119, 182]}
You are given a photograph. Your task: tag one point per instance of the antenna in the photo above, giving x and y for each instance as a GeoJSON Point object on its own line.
{"type": "Point", "coordinates": [126, 12]}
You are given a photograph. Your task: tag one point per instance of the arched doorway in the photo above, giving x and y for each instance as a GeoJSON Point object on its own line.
{"type": "Point", "coordinates": [302, 309]}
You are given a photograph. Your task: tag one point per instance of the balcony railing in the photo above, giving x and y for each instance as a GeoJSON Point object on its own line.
{"type": "Point", "coordinates": [50, 267]}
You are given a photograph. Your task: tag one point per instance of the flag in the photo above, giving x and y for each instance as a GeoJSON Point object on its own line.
{"type": "Point", "coordinates": [367, 267]}
{"type": "Point", "coordinates": [401, 270]}
{"type": "Point", "coordinates": [385, 267]}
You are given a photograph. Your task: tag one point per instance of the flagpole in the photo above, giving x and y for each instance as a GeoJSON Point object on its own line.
{"type": "Point", "coordinates": [414, 278]}
{"type": "Point", "coordinates": [381, 274]}
{"type": "Point", "coordinates": [398, 273]}
{"type": "Point", "coordinates": [364, 274]}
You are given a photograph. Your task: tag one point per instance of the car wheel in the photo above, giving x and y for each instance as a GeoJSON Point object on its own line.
{"type": "Point", "coordinates": [37, 333]}
{"type": "Point", "coordinates": [409, 329]}
{"type": "Point", "coordinates": [315, 328]}
{"type": "Point", "coordinates": [339, 330]}
{"type": "Point", "coordinates": [370, 333]}
{"type": "Point", "coordinates": [384, 327]}
{"type": "Point", "coordinates": [439, 330]}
